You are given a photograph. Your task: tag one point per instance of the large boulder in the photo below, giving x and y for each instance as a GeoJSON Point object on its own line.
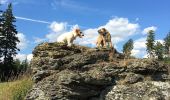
{"type": "Point", "coordinates": [82, 73]}
{"type": "Point", "coordinates": [148, 90]}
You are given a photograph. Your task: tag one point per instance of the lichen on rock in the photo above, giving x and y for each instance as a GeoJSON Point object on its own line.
{"type": "Point", "coordinates": [82, 73]}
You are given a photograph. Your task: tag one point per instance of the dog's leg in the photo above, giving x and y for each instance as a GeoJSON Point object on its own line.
{"type": "Point", "coordinates": [99, 41]}
{"type": "Point", "coordinates": [69, 43]}
{"type": "Point", "coordinates": [104, 42]}
{"type": "Point", "coordinates": [111, 45]}
{"type": "Point", "coordinates": [97, 44]}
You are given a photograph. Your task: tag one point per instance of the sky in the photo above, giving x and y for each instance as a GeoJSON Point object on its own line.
{"type": "Point", "coordinates": [40, 21]}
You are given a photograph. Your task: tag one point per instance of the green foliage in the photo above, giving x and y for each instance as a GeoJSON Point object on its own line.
{"type": "Point", "coordinates": [1, 20]}
{"type": "Point", "coordinates": [17, 69]}
{"type": "Point", "coordinates": [128, 47]}
{"type": "Point", "coordinates": [159, 50]}
{"type": "Point", "coordinates": [21, 67]}
{"type": "Point", "coordinates": [167, 44]}
{"type": "Point", "coordinates": [150, 43]}
{"type": "Point", "coordinates": [9, 40]}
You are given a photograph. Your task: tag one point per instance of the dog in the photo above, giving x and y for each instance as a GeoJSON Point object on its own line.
{"type": "Point", "coordinates": [104, 38]}
{"type": "Point", "coordinates": [101, 40]}
{"type": "Point", "coordinates": [69, 37]}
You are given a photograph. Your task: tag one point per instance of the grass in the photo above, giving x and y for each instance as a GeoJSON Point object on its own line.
{"type": "Point", "coordinates": [15, 90]}
{"type": "Point", "coordinates": [167, 60]}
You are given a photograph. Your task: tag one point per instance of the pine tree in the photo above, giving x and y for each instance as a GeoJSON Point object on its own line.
{"type": "Point", "coordinates": [150, 43]}
{"type": "Point", "coordinates": [1, 37]}
{"type": "Point", "coordinates": [24, 65]}
{"type": "Point", "coordinates": [159, 50]}
{"type": "Point", "coordinates": [167, 44]}
{"type": "Point", "coordinates": [127, 48]}
{"type": "Point", "coordinates": [9, 40]}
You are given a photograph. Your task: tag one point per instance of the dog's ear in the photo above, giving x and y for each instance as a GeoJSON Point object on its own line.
{"type": "Point", "coordinates": [104, 29]}
{"type": "Point", "coordinates": [77, 30]}
{"type": "Point", "coordinates": [99, 31]}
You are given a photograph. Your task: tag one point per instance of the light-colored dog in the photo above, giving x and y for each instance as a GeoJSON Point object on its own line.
{"type": "Point", "coordinates": [104, 38]}
{"type": "Point", "coordinates": [101, 40]}
{"type": "Point", "coordinates": [69, 37]}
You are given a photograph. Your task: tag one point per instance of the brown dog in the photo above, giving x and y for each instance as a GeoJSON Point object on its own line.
{"type": "Point", "coordinates": [104, 38]}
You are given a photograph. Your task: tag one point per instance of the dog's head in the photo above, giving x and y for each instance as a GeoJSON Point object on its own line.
{"type": "Point", "coordinates": [79, 33]}
{"type": "Point", "coordinates": [102, 31]}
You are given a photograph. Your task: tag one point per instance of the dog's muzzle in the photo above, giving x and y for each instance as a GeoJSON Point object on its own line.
{"type": "Point", "coordinates": [81, 35]}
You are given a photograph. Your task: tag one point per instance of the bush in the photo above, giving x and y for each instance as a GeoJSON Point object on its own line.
{"type": "Point", "coordinates": [13, 71]}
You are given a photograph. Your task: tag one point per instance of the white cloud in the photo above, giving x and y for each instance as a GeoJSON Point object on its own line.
{"type": "Point", "coordinates": [139, 47]}
{"type": "Point", "coordinates": [22, 57]}
{"type": "Point", "coordinates": [52, 37]}
{"type": "Point", "coordinates": [146, 30]}
{"type": "Point", "coordinates": [3, 1]}
{"type": "Point", "coordinates": [89, 38]}
{"type": "Point", "coordinates": [161, 41]}
{"type": "Point", "coordinates": [29, 57]}
{"type": "Point", "coordinates": [135, 52]}
{"type": "Point", "coordinates": [58, 27]}
{"type": "Point", "coordinates": [23, 41]}
{"type": "Point", "coordinates": [120, 29]}
{"type": "Point", "coordinates": [140, 43]}
{"type": "Point", "coordinates": [145, 56]}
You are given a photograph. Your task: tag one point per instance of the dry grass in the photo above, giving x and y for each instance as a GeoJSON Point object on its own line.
{"type": "Point", "coordinates": [15, 90]}
{"type": "Point", "coordinates": [126, 62]}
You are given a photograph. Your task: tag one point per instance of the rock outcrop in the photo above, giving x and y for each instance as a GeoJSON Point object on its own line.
{"type": "Point", "coordinates": [81, 73]}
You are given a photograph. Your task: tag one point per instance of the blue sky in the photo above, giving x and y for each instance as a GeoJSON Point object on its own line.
{"type": "Point", "coordinates": [44, 20]}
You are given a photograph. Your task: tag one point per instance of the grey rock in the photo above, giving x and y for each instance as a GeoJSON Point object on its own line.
{"type": "Point", "coordinates": [140, 91]}
{"type": "Point", "coordinates": [82, 73]}
{"type": "Point", "coordinates": [133, 78]}
{"type": "Point", "coordinates": [40, 75]}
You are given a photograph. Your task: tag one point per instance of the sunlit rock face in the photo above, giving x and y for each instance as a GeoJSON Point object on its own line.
{"type": "Point", "coordinates": [82, 73]}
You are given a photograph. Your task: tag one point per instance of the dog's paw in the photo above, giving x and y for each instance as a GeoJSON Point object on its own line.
{"type": "Point", "coordinates": [69, 45]}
